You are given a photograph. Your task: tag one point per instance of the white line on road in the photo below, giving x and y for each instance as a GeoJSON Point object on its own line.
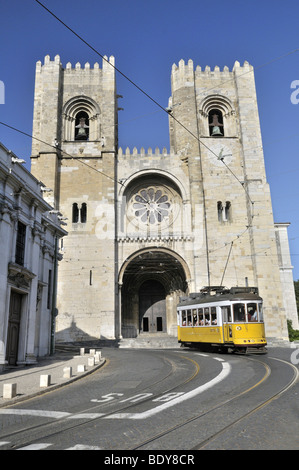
{"type": "Point", "coordinates": [35, 446]}
{"type": "Point", "coordinates": [146, 414]}
{"type": "Point", "coordinates": [42, 413]}
{"type": "Point", "coordinates": [83, 447]}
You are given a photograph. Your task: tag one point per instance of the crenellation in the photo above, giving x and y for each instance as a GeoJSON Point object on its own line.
{"type": "Point", "coordinates": [142, 153]}
{"type": "Point", "coordinates": [159, 205]}
{"type": "Point", "coordinates": [69, 66]}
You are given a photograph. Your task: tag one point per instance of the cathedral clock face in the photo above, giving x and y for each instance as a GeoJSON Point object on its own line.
{"type": "Point", "coordinates": [220, 153]}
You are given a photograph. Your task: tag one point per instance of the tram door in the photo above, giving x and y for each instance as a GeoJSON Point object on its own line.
{"type": "Point", "coordinates": [227, 323]}
{"type": "Point", "coordinates": [152, 307]}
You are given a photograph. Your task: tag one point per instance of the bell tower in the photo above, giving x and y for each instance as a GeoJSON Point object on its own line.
{"type": "Point", "coordinates": [227, 177]}
{"type": "Point", "coordinates": [74, 154]}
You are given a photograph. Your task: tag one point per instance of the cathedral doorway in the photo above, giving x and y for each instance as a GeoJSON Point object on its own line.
{"type": "Point", "coordinates": [152, 307]}
{"type": "Point", "coordinates": [151, 282]}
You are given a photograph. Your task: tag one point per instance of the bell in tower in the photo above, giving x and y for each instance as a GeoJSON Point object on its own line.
{"type": "Point", "coordinates": [216, 117]}
{"type": "Point", "coordinates": [82, 129]}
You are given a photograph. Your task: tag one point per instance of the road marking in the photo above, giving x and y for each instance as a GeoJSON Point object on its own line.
{"type": "Point", "coordinates": [3, 443]}
{"type": "Point", "coordinates": [178, 398]}
{"type": "Point", "coordinates": [35, 446]}
{"type": "Point", "coordinates": [146, 414]}
{"type": "Point", "coordinates": [83, 447]}
{"type": "Point", "coordinates": [86, 416]}
{"type": "Point", "coordinates": [42, 413]}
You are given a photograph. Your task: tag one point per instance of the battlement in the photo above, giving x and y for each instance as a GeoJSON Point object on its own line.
{"type": "Point", "coordinates": [106, 62]}
{"type": "Point", "coordinates": [184, 74]}
{"type": "Point", "coordinates": [185, 68]}
{"type": "Point", "coordinates": [142, 154]}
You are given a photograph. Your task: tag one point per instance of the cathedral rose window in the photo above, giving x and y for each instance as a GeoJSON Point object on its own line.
{"type": "Point", "coordinates": [151, 205]}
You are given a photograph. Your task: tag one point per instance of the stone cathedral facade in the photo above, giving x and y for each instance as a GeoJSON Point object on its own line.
{"type": "Point", "coordinates": [147, 226]}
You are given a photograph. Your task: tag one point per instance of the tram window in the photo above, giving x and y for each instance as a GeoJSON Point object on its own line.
{"type": "Point", "coordinates": [184, 318]}
{"type": "Point", "coordinates": [239, 312]}
{"type": "Point", "coordinates": [195, 319]}
{"type": "Point", "coordinates": [261, 318]}
{"type": "Point", "coordinates": [189, 318]}
{"type": "Point", "coordinates": [200, 317]}
{"type": "Point", "coordinates": [207, 316]}
{"type": "Point", "coordinates": [226, 314]}
{"type": "Point", "coordinates": [213, 316]}
{"type": "Point", "coordinates": [252, 312]}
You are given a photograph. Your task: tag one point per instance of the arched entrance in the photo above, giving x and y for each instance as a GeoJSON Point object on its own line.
{"type": "Point", "coordinates": [151, 282]}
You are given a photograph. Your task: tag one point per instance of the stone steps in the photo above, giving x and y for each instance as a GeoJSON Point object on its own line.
{"type": "Point", "coordinates": [150, 342]}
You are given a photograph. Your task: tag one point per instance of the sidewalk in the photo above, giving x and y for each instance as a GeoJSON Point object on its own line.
{"type": "Point", "coordinates": [27, 378]}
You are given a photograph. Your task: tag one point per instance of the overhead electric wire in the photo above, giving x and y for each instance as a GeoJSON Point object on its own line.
{"type": "Point", "coordinates": [150, 98]}
{"type": "Point", "coordinates": [56, 147]}
{"type": "Point", "coordinates": [138, 87]}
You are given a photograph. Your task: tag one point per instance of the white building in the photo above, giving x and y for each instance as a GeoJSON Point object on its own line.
{"type": "Point", "coordinates": [29, 231]}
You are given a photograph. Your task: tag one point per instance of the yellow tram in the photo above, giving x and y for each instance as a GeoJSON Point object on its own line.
{"type": "Point", "coordinates": [229, 319]}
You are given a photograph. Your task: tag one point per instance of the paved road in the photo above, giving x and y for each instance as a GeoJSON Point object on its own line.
{"type": "Point", "coordinates": [179, 400]}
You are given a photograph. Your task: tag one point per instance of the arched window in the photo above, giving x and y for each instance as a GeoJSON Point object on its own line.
{"type": "Point", "coordinates": [227, 211]}
{"type": "Point", "coordinates": [83, 213]}
{"type": "Point", "coordinates": [224, 211]}
{"type": "Point", "coordinates": [75, 214]}
{"type": "Point", "coordinates": [217, 117]}
{"type": "Point", "coordinates": [81, 120]}
{"type": "Point", "coordinates": [82, 126]}
{"type": "Point", "coordinates": [216, 123]}
{"type": "Point", "coordinates": [220, 211]}
{"type": "Point", "coordinates": [79, 215]}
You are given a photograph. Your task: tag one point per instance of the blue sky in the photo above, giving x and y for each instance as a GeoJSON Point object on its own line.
{"type": "Point", "coordinates": [146, 38]}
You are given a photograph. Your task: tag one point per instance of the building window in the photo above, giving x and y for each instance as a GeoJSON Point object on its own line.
{"type": "Point", "coordinates": [151, 205]}
{"type": "Point", "coordinates": [81, 119]}
{"type": "Point", "coordinates": [20, 244]}
{"type": "Point", "coordinates": [220, 211]}
{"type": "Point", "coordinates": [79, 215]}
{"type": "Point", "coordinates": [75, 214]}
{"type": "Point", "coordinates": [82, 126]}
{"type": "Point", "coordinates": [83, 213]}
{"type": "Point", "coordinates": [224, 211]}
{"type": "Point", "coordinates": [216, 123]}
{"type": "Point", "coordinates": [227, 212]}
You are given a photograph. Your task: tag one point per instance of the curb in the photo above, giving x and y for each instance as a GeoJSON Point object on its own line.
{"type": "Point", "coordinates": [51, 388]}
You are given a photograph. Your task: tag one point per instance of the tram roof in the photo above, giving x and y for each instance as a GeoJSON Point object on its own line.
{"type": "Point", "coordinates": [220, 294]}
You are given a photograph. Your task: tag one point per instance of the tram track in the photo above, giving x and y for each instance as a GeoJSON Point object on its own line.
{"type": "Point", "coordinates": [214, 436]}
{"type": "Point", "coordinates": [49, 429]}
{"type": "Point", "coordinates": [60, 421]}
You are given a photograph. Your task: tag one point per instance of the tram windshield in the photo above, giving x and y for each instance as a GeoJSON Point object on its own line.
{"type": "Point", "coordinates": [247, 312]}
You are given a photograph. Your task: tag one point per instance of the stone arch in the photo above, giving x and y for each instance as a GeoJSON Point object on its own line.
{"type": "Point", "coordinates": [150, 267]}
{"type": "Point", "coordinates": [71, 110]}
{"type": "Point", "coordinates": [217, 104]}
{"type": "Point", "coordinates": [151, 204]}
{"type": "Point", "coordinates": [155, 174]}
